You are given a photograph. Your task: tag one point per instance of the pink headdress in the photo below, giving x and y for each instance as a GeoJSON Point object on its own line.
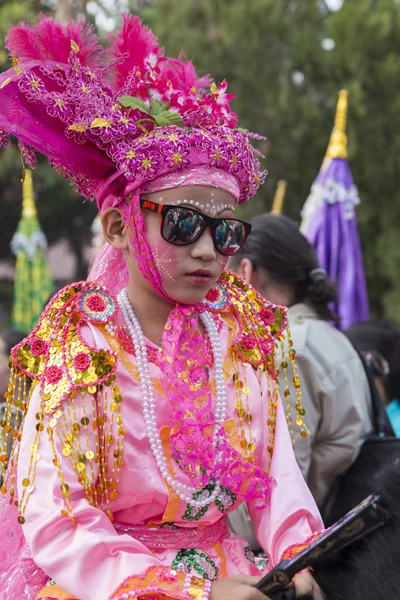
{"type": "Point", "coordinates": [123, 111]}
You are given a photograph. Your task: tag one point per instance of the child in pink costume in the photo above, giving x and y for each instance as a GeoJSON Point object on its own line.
{"type": "Point", "coordinates": [153, 410]}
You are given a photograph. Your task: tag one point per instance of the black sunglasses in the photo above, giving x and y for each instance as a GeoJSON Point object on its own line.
{"type": "Point", "coordinates": [182, 226]}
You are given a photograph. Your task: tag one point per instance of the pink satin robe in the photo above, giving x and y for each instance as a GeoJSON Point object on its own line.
{"type": "Point", "coordinates": [91, 560]}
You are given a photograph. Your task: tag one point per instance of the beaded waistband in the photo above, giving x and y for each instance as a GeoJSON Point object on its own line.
{"type": "Point", "coordinates": [170, 536]}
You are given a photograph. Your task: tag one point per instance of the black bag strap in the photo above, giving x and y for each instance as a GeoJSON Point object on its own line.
{"type": "Point", "coordinates": [380, 419]}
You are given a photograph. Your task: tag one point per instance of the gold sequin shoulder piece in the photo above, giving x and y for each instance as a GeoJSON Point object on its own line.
{"type": "Point", "coordinates": [55, 353]}
{"type": "Point", "coordinates": [79, 406]}
{"type": "Point", "coordinates": [262, 340]}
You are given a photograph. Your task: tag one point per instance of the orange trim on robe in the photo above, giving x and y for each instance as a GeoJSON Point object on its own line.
{"type": "Point", "coordinates": [54, 591]}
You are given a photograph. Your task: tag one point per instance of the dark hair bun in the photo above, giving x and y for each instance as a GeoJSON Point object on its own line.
{"type": "Point", "coordinates": [276, 245]}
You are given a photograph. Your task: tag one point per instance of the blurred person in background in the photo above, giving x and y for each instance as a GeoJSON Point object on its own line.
{"type": "Point", "coordinates": [379, 343]}
{"type": "Point", "coordinates": [281, 264]}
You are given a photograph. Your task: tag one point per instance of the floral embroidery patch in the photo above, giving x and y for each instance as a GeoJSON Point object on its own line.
{"type": "Point", "coordinates": [195, 560]}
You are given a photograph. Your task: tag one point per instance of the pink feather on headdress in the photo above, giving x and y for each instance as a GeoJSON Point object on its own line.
{"type": "Point", "coordinates": [23, 42]}
{"type": "Point", "coordinates": [182, 75]}
{"type": "Point", "coordinates": [131, 46]}
{"type": "Point", "coordinates": [49, 40]}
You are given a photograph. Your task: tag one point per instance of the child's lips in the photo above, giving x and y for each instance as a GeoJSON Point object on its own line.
{"type": "Point", "coordinates": [200, 277]}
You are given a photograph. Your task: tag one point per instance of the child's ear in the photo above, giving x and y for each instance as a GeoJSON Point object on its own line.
{"type": "Point", "coordinates": [114, 229]}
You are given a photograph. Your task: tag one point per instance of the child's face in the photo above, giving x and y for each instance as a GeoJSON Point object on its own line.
{"type": "Point", "coordinates": [188, 272]}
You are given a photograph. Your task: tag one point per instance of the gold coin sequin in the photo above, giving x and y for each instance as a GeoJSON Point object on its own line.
{"type": "Point", "coordinates": [66, 451]}
{"type": "Point", "coordinates": [89, 454]}
{"type": "Point", "coordinates": [246, 390]}
{"type": "Point", "coordinates": [80, 466]}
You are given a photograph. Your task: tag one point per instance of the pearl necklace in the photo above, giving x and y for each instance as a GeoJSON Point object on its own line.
{"type": "Point", "coordinates": [134, 329]}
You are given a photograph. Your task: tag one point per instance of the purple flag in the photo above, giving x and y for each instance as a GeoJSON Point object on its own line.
{"type": "Point", "coordinates": [329, 223]}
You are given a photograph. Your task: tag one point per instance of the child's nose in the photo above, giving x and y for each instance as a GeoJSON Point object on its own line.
{"type": "Point", "coordinates": [204, 247]}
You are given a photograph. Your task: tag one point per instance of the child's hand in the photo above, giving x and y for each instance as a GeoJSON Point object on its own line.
{"type": "Point", "coordinates": [239, 587]}
{"type": "Point", "coordinates": [305, 585]}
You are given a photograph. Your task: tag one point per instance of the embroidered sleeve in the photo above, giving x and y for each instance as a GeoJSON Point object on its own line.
{"type": "Point", "coordinates": [295, 549]}
{"type": "Point", "coordinates": [163, 583]}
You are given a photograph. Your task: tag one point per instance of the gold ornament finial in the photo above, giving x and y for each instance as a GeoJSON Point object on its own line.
{"type": "Point", "coordinates": [28, 202]}
{"type": "Point", "coordinates": [277, 205]}
{"type": "Point", "coordinates": [338, 143]}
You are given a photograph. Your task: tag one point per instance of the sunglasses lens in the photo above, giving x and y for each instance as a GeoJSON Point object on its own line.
{"type": "Point", "coordinates": [230, 236]}
{"type": "Point", "coordinates": [182, 225]}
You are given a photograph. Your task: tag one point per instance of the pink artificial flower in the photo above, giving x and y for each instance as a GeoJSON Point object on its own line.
{"type": "Point", "coordinates": [213, 295]}
{"type": "Point", "coordinates": [82, 361]}
{"type": "Point", "coordinates": [267, 315]}
{"type": "Point", "coordinates": [53, 375]}
{"type": "Point", "coordinates": [148, 164]}
{"type": "Point", "coordinates": [248, 341]}
{"type": "Point", "coordinates": [38, 347]}
{"type": "Point", "coordinates": [96, 303]}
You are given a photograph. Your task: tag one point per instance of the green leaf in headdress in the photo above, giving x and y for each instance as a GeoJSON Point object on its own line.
{"type": "Point", "coordinates": [135, 103]}
{"type": "Point", "coordinates": [164, 119]}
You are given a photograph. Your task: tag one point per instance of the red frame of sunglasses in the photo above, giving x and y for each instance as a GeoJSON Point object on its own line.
{"type": "Point", "coordinates": [162, 210]}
